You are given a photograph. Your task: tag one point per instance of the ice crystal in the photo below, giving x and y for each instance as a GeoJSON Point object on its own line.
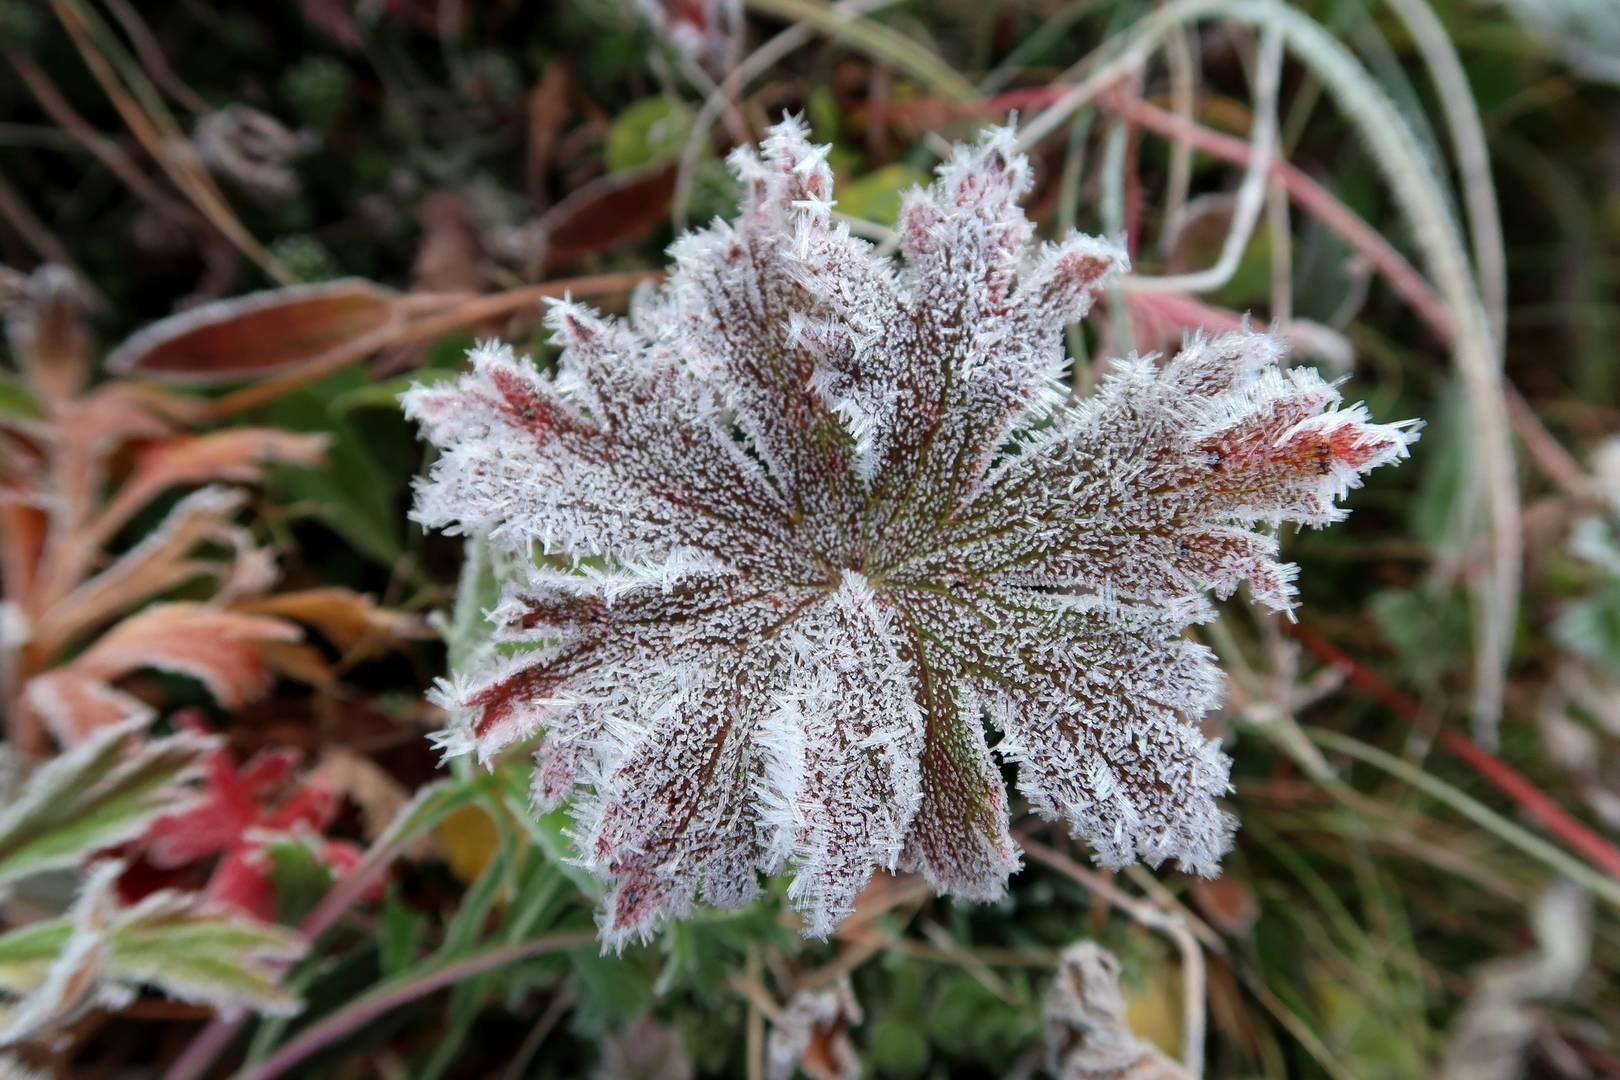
{"type": "Point", "coordinates": [811, 517]}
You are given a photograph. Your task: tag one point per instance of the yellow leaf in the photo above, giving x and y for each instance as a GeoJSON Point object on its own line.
{"type": "Point", "coordinates": [469, 839]}
{"type": "Point", "coordinates": [1153, 1007]}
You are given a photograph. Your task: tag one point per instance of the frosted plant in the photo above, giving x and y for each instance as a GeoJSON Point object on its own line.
{"type": "Point", "coordinates": [811, 1035]}
{"type": "Point", "coordinates": [811, 518]}
{"type": "Point", "coordinates": [1088, 1036]}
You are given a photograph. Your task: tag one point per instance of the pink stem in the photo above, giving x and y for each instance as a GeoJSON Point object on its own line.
{"type": "Point", "coordinates": [201, 1051]}
{"type": "Point", "coordinates": [217, 1035]}
{"type": "Point", "coordinates": [1512, 783]}
{"type": "Point", "coordinates": [1402, 276]}
{"type": "Point", "coordinates": [348, 1020]}
{"type": "Point", "coordinates": [1311, 196]}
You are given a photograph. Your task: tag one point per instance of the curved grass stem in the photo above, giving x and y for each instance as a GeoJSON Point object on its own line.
{"type": "Point", "coordinates": [1555, 859]}
{"type": "Point", "coordinates": [1423, 204]}
{"type": "Point", "coordinates": [385, 999]}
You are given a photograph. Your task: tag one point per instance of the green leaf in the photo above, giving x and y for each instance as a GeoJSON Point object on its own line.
{"type": "Point", "coordinates": [1444, 516]}
{"type": "Point", "coordinates": [1590, 627]}
{"type": "Point", "coordinates": [17, 399]}
{"type": "Point", "coordinates": [446, 356]}
{"type": "Point", "coordinates": [462, 931]}
{"type": "Point", "coordinates": [400, 931]}
{"type": "Point", "coordinates": [701, 954]}
{"type": "Point", "coordinates": [551, 832]}
{"type": "Point", "coordinates": [101, 793]}
{"type": "Point", "coordinates": [876, 195]}
{"type": "Point", "coordinates": [822, 110]}
{"type": "Point", "coordinates": [648, 131]}
{"type": "Point", "coordinates": [612, 992]}
{"type": "Point", "coordinates": [385, 394]}
{"type": "Point", "coordinates": [298, 874]}
{"type": "Point", "coordinates": [429, 806]}
{"type": "Point", "coordinates": [1430, 630]}
{"type": "Point", "coordinates": [897, 1048]}
{"type": "Point", "coordinates": [478, 591]}
{"type": "Point", "coordinates": [967, 1019]}
{"type": "Point", "coordinates": [103, 953]}
{"type": "Point", "coordinates": [351, 491]}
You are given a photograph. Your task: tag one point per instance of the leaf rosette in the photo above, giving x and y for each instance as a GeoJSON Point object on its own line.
{"type": "Point", "coordinates": [812, 518]}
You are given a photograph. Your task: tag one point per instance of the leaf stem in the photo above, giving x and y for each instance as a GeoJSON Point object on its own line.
{"type": "Point", "coordinates": [1553, 817]}
{"type": "Point", "coordinates": [1554, 858]}
{"type": "Point", "coordinates": [368, 1007]}
{"type": "Point", "coordinates": [876, 40]}
{"type": "Point", "coordinates": [421, 813]}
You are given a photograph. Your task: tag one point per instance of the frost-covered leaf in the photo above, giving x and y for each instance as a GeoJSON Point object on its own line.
{"type": "Point", "coordinates": [351, 621]}
{"type": "Point", "coordinates": [103, 953]}
{"type": "Point", "coordinates": [813, 516]}
{"type": "Point", "coordinates": [165, 558]}
{"type": "Point", "coordinates": [98, 794]}
{"type": "Point", "coordinates": [49, 975]}
{"type": "Point", "coordinates": [197, 953]}
{"type": "Point", "coordinates": [72, 478]}
{"type": "Point", "coordinates": [237, 455]}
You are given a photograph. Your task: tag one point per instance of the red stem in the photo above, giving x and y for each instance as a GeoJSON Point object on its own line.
{"type": "Point", "coordinates": [357, 1014]}
{"type": "Point", "coordinates": [1512, 783]}
{"type": "Point", "coordinates": [217, 1035]}
{"type": "Point", "coordinates": [1312, 197]}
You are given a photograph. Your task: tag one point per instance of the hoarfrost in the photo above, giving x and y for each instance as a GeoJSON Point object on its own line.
{"type": "Point", "coordinates": [846, 518]}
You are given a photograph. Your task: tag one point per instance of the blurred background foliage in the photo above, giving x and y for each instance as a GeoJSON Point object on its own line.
{"type": "Point", "coordinates": [1382, 914]}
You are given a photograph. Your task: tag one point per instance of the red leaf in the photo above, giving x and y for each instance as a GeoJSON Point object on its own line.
{"type": "Point", "coordinates": [244, 809]}
{"type": "Point", "coordinates": [609, 211]}
{"type": "Point", "coordinates": [220, 649]}
{"type": "Point", "coordinates": [248, 336]}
